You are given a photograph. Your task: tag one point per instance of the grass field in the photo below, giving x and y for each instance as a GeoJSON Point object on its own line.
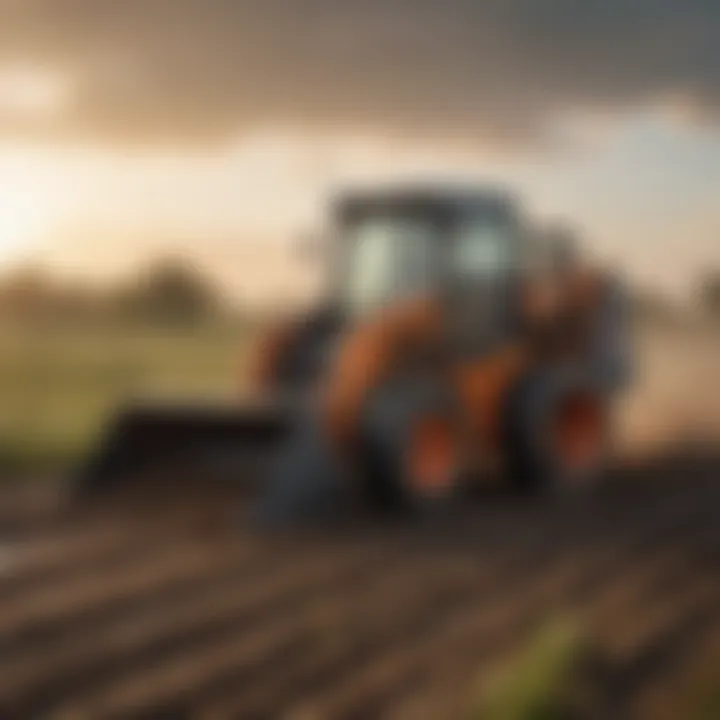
{"type": "Point", "coordinates": [57, 385]}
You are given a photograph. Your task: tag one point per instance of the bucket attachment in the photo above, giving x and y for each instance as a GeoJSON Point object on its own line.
{"type": "Point", "coordinates": [147, 437]}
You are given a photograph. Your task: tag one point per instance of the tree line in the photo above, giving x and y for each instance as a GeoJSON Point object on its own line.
{"type": "Point", "coordinates": [168, 292]}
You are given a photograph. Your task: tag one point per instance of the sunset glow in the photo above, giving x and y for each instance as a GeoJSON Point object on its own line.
{"type": "Point", "coordinates": [22, 219]}
{"type": "Point", "coordinates": [27, 91]}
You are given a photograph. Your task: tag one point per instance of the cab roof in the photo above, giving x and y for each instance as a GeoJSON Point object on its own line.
{"type": "Point", "coordinates": [446, 199]}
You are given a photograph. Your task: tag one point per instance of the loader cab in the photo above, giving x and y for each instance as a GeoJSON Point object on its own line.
{"type": "Point", "coordinates": [467, 246]}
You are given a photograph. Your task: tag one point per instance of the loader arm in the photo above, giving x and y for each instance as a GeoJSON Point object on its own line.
{"type": "Point", "coordinates": [368, 356]}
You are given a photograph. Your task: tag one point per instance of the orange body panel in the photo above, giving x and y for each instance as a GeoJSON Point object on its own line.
{"type": "Point", "coordinates": [369, 355]}
{"type": "Point", "coordinates": [434, 452]}
{"type": "Point", "coordinates": [483, 385]}
{"type": "Point", "coordinates": [578, 429]}
{"type": "Point", "coordinates": [559, 316]}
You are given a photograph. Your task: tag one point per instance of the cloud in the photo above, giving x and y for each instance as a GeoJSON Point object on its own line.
{"type": "Point", "coordinates": [202, 71]}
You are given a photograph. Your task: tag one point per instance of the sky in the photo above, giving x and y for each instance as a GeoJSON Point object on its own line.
{"type": "Point", "coordinates": [213, 129]}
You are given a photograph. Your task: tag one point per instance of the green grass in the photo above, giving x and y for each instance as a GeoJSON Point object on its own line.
{"type": "Point", "coordinates": [58, 385]}
{"type": "Point", "coordinates": [560, 675]}
{"type": "Point", "coordinates": [544, 682]}
{"type": "Point", "coordinates": [699, 696]}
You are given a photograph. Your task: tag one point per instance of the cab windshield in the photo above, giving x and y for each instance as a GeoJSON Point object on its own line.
{"type": "Point", "coordinates": [391, 257]}
{"type": "Point", "coordinates": [484, 249]}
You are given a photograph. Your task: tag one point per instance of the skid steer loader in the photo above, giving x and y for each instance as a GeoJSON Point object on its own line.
{"type": "Point", "coordinates": [455, 341]}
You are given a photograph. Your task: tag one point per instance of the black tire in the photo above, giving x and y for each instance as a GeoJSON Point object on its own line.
{"type": "Point", "coordinates": [532, 464]}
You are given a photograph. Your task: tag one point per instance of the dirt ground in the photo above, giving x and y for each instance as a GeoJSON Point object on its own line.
{"type": "Point", "coordinates": [154, 608]}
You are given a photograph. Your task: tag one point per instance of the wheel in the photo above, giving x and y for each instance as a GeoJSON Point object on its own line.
{"type": "Point", "coordinates": [556, 434]}
{"type": "Point", "coordinates": [413, 454]}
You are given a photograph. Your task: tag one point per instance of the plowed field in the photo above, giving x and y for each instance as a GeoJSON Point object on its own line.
{"type": "Point", "coordinates": [169, 607]}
